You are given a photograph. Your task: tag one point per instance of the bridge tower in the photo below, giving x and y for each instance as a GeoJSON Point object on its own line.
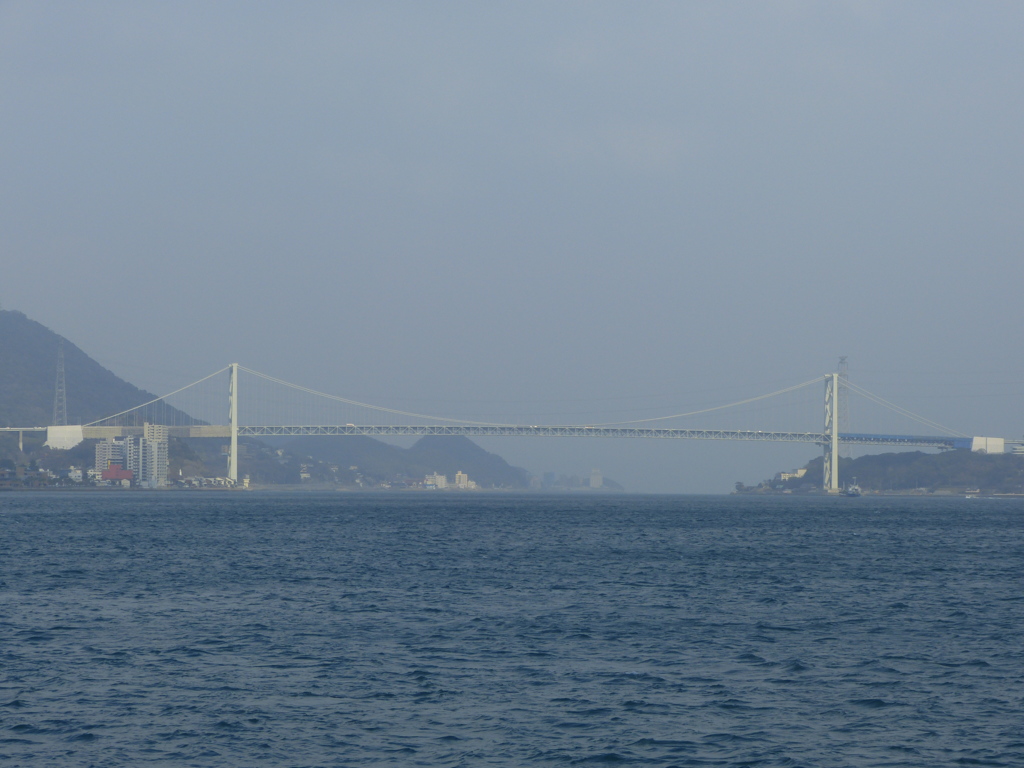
{"type": "Point", "coordinates": [843, 403]}
{"type": "Point", "coordinates": [830, 482]}
{"type": "Point", "coordinates": [233, 423]}
{"type": "Point", "coordinates": [60, 395]}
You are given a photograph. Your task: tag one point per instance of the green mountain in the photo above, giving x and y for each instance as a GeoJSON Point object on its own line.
{"type": "Point", "coordinates": [905, 471]}
{"type": "Point", "coordinates": [449, 455]}
{"type": "Point", "coordinates": [380, 462]}
{"type": "Point", "coordinates": [28, 375]}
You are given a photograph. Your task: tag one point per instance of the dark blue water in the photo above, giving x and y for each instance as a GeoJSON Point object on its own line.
{"type": "Point", "coordinates": [465, 630]}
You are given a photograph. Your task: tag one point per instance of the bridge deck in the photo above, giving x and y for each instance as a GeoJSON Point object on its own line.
{"type": "Point", "coordinates": [533, 431]}
{"type": "Point", "coordinates": [224, 432]}
{"type": "Point", "coordinates": [934, 441]}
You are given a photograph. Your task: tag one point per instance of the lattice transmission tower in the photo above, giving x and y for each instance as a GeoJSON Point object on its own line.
{"type": "Point", "coordinates": [60, 395]}
{"type": "Point", "coordinates": [843, 403]}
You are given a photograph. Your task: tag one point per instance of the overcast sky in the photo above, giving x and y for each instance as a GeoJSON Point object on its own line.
{"type": "Point", "coordinates": [537, 209]}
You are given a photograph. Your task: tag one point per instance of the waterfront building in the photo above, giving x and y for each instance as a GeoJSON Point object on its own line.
{"type": "Point", "coordinates": [110, 451]}
{"type": "Point", "coordinates": [153, 456]}
{"type": "Point", "coordinates": [145, 457]}
{"type": "Point", "coordinates": [435, 480]}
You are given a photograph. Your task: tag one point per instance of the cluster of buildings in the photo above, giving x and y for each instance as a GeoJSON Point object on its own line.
{"type": "Point", "coordinates": [140, 461]}
{"type": "Point", "coordinates": [199, 481]}
{"type": "Point", "coordinates": [549, 482]}
{"type": "Point", "coordinates": [26, 477]}
{"type": "Point", "coordinates": [312, 472]}
{"type": "Point", "coordinates": [23, 477]}
{"type": "Point", "coordinates": [438, 481]}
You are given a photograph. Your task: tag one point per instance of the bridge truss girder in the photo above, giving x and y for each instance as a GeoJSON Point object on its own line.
{"type": "Point", "coordinates": [371, 430]}
{"type": "Point", "coordinates": [531, 431]}
{"type": "Point", "coordinates": [818, 438]}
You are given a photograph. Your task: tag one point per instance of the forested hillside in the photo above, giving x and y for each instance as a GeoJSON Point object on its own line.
{"type": "Point", "coordinates": [28, 373]}
{"type": "Point", "coordinates": [379, 461]}
{"type": "Point", "coordinates": [909, 470]}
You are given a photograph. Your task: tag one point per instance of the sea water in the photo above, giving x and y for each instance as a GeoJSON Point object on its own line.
{"type": "Point", "coordinates": [448, 629]}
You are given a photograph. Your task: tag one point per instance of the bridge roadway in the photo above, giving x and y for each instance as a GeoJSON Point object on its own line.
{"type": "Point", "coordinates": [480, 430]}
{"type": "Point", "coordinates": [611, 432]}
{"type": "Point", "coordinates": [224, 431]}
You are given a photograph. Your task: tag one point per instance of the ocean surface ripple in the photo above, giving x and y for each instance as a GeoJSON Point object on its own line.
{"type": "Point", "coordinates": [235, 629]}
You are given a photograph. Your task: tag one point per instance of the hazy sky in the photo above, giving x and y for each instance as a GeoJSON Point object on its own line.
{"type": "Point", "coordinates": [539, 209]}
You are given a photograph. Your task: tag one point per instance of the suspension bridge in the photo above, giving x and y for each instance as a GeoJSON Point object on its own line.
{"type": "Point", "coordinates": [271, 407]}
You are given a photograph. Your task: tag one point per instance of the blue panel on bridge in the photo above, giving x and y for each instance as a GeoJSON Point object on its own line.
{"type": "Point", "coordinates": [952, 442]}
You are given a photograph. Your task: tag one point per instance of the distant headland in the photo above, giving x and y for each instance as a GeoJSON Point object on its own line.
{"type": "Point", "coordinates": [913, 472]}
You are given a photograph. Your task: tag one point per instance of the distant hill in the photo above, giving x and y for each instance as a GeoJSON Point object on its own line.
{"type": "Point", "coordinates": [904, 471]}
{"type": "Point", "coordinates": [446, 455]}
{"type": "Point", "coordinates": [28, 373]}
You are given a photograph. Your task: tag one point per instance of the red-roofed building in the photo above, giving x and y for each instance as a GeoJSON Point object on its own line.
{"type": "Point", "coordinates": [117, 473]}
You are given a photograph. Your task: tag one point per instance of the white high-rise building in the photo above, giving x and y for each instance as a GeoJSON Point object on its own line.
{"type": "Point", "coordinates": [153, 456]}
{"type": "Point", "coordinates": [110, 451]}
{"type": "Point", "coordinates": [145, 456]}
{"type": "Point", "coordinates": [436, 480]}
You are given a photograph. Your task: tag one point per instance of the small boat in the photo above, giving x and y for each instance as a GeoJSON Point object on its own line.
{"type": "Point", "coordinates": [853, 489]}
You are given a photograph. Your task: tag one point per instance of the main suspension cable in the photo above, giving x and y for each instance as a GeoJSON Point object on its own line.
{"type": "Point", "coordinates": [715, 408]}
{"type": "Point", "coordinates": [902, 411]}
